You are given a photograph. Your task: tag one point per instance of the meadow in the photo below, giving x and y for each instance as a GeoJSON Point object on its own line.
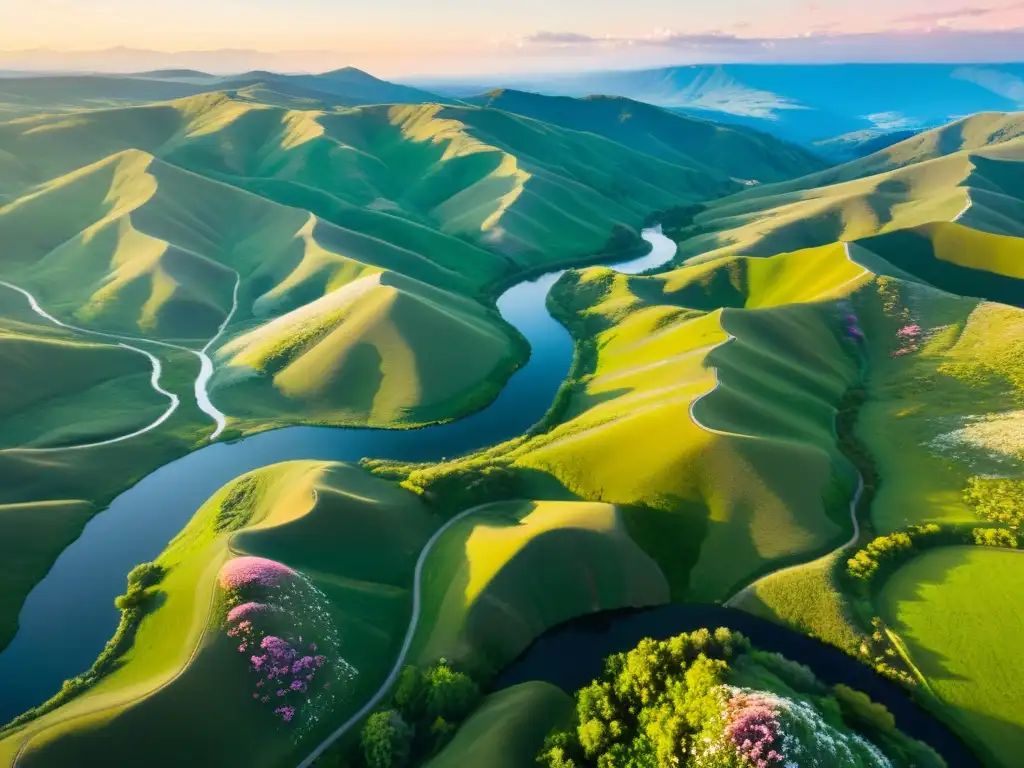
{"type": "Point", "coordinates": [965, 655]}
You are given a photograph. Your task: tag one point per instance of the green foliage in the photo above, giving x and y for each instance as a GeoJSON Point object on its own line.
{"type": "Point", "coordinates": [449, 695]}
{"type": "Point", "coordinates": [994, 537]}
{"type": "Point", "coordinates": [146, 575]}
{"type": "Point", "coordinates": [134, 605]}
{"type": "Point", "coordinates": [688, 702]}
{"type": "Point", "coordinates": [239, 504]}
{"type": "Point", "coordinates": [650, 705]}
{"type": "Point", "coordinates": [428, 706]}
{"type": "Point", "coordinates": [386, 740]}
{"type": "Point", "coordinates": [997, 499]}
{"type": "Point", "coordinates": [463, 486]}
{"type": "Point", "coordinates": [885, 554]}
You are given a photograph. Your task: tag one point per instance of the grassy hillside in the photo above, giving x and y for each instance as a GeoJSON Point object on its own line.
{"type": "Point", "coordinates": [487, 585]}
{"type": "Point", "coordinates": [694, 438]}
{"type": "Point", "coordinates": [691, 142]}
{"type": "Point", "coordinates": [182, 663]}
{"type": "Point", "coordinates": [951, 608]}
{"type": "Point", "coordinates": [912, 184]}
{"type": "Point", "coordinates": [508, 729]}
{"type": "Point", "coordinates": [156, 211]}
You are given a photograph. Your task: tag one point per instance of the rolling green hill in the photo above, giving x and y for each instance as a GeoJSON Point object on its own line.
{"type": "Point", "coordinates": [939, 176]}
{"type": "Point", "coordinates": [688, 141]}
{"type": "Point", "coordinates": [156, 211]}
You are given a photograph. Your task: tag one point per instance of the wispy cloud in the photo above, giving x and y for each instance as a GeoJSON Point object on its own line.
{"type": "Point", "coordinates": [560, 38]}
{"type": "Point", "coordinates": [969, 12]}
{"type": "Point", "coordinates": [938, 43]}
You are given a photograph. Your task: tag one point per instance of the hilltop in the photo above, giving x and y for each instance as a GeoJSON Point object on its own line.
{"type": "Point", "coordinates": [692, 142]}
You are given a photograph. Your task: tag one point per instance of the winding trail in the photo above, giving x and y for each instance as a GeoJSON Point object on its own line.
{"type": "Point", "coordinates": [154, 382]}
{"type": "Point", "coordinates": [410, 633]}
{"type": "Point", "coordinates": [206, 370]}
{"type": "Point", "coordinates": [854, 502]}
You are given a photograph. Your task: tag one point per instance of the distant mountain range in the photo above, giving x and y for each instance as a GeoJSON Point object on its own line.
{"type": "Point", "coordinates": [346, 87]}
{"type": "Point", "coordinates": [804, 103]}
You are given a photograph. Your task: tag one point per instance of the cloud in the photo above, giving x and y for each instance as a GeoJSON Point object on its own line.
{"type": "Point", "coordinates": [938, 44]}
{"type": "Point", "coordinates": [560, 38]}
{"type": "Point", "coordinates": [972, 12]}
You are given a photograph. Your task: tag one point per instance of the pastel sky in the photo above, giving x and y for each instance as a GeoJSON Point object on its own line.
{"type": "Point", "coordinates": [408, 37]}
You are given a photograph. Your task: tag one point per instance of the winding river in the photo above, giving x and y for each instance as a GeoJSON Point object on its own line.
{"type": "Point", "coordinates": [69, 616]}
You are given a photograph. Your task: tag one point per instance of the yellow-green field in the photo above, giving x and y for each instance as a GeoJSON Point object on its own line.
{"type": "Point", "coordinates": [487, 586]}
{"type": "Point", "coordinates": [955, 610]}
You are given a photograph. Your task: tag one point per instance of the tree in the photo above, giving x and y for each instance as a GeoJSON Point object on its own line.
{"type": "Point", "coordinates": [386, 740]}
{"type": "Point", "coordinates": [450, 695]}
{"type": "Point", "coordinates": [146, 575]}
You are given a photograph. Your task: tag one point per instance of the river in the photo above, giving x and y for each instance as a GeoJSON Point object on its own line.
{"type": "Point", "coordinates": [69, 616]}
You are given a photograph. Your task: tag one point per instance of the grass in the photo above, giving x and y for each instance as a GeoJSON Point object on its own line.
{"type": "Point", "coordinates": [920, 422]}
{"type": "Point", "coordinates": [652, 346]}
{"type": "Point", "coordinates": [155, 209]}
{"type": "Point", "coordinates": [356, 538]}
{"type": "Point", "coordinates": [926, 179]}
{"type": "Point", "coordinates": [693, 143]}
{"type": "Point", "coordinates": [950, 607]}
{"type": "Point", "coordinates": [508, 729]}
{"type": "Point", "coordinates": [487, 585]}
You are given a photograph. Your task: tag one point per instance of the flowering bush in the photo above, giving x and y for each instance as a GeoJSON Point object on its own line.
{"type": "Point", "coordinates": [909, 338]}
{"type": "Point", "coordinates": [288, 638]}
{"type": "Point", "coordinates": [754, 730]}
{"type": "Point", "coordinates": [769, 730]}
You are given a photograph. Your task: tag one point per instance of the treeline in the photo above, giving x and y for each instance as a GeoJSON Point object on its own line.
{"type": "Point", "coordinates": [884, 554]}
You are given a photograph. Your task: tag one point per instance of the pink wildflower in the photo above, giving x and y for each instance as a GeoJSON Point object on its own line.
{"type": "Point", "coordinates": [298, 685]}
{"type": "Point", "coordinates": [281, 691]}
{"type": "Point", "coordinates": [286, 713]}
{"type": "Point", "coordinates": [909, 331]}
{"type": "Point", "coordinates": [754, 729]}
{"type": "Point", "coordinates": [247, 610]}
{"type": "Point", "coordinates": [257, 661]}
{"type": "Point", "coordinates": [241, 647]}
{"type": "Point", "coordinates": [253, 571]}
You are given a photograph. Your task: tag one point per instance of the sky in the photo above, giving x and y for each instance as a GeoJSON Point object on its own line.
{"type": "Point", "coordinates": [463, 37]}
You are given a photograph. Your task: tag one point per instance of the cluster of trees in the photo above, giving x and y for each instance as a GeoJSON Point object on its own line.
{"type": "Point", "coordinates": [651, 706]}
{"type": "Point", "coordinates": [427, 708]}
{"type": "Point", "coordinates": [682, 703]}
{"type": "Point", "coordinates": [884, 554]}
{"type": "Point", "coordinates": [455, 487]}
{"type": "Point", "coordinates": [997, 499]}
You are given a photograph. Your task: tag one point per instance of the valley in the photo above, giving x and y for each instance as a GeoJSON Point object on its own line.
{"type": "Point", "coordinates": [373, 392]}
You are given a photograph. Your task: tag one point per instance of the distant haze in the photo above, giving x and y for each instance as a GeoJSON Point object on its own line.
{"type": "Point", "coordinates": [406, 38]}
